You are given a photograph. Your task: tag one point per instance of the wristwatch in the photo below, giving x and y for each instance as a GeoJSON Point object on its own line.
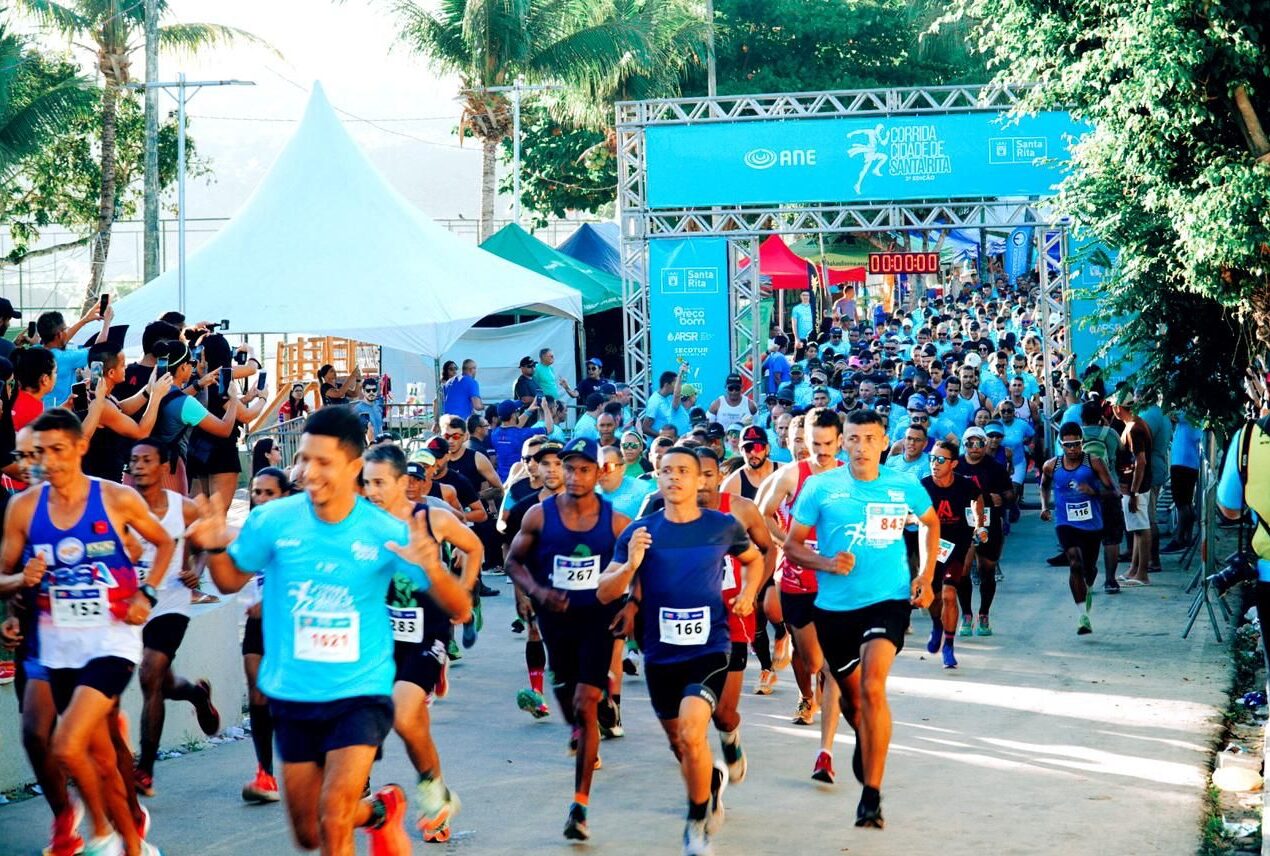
{"type": "Point", "coordinates": [148, 590]}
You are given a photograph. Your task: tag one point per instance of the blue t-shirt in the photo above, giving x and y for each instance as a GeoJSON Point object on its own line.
{"type": "Point", "coordinates": [374, 411]}
{"type": "Point", "coordinates": [681, 579]}
{"type": "Point", "coordinates": [960, 414]}
{"type": "Point", "coordinates": [68, 361]}
{"type": "Point", "coordinates": [1184, 451]}
{"type": "Point", "coordinates": [1230, 491]}
{"type": "Point", "coordinates": [781, 454]}
{"type": "Point", "coordinates": [665, 416]}
{"type": "Point", "coordinates": [459, 392]}
{"type": "Point", "coordinates": [508, 440]}
{"type": "Point", "coordinates": [324, 598]}
{"type": "Point", "coordinates": [849, 515]}
{"type": "Point", "coordinates": [803, 321]}
{"type": "Point", "coordinates": [586, 427]}
{"type": "Point", "coordinates": [775, 371]}
{"type": "Point", "coordinates": [629, 495]}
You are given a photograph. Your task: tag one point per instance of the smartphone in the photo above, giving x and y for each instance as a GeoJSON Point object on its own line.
{"type": "Point", "coordinates": [162, 365]}
{"type": "Point", "coordinates": [94, 373]}
{"type": "Point", "coordinates": [105, 301]}
{"type": "Point", "coordinates": [224, 324]}
{"type": "Point", "coordinates": [30, 330]}
{"type": "Point", "coordinates": [79, 391]}
{"type": "Point", "coordinates": [260, 380]}
{"type": "Point", "coordinates": [240, 357]}
{"type": "Point", "coordinates": [225, 378]}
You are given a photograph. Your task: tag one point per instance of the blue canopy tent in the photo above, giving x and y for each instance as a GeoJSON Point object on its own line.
{"type": "Point", "coordinates": [595, 244]}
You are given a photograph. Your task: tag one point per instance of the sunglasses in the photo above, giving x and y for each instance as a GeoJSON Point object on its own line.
{"type": "Point", "coordinates": [454, 436]}
{"type": "Point", "coordinates": [1006, 410]}
{"type": "Point", "coordinates": [1073, 444]}
{"type": "Point", "coordinates": [939, 460]}
{"type": "Point", "coordinates": [974, 444]}
{"type": "Point", "coordinates": [918, 419]}
{"type": "Point", "coordinates": [632, 445]}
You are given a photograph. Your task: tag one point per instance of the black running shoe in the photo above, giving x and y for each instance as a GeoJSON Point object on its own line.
{"type": "Point", "coordinates": [1059, 561]}
{"type": "Point", "coordinates": [869, 818]}
{"type": "Point", "coordinates": [486, 591]}
{"type": "Point", "coordinates": [575, 828]}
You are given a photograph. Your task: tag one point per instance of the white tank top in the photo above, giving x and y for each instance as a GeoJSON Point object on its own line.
{"type": "Point", "coordinates": [174, 597]}
{"type": "Point", "coordinates": [730, 414]}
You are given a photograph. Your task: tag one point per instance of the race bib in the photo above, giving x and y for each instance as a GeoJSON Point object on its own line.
{"type": "Point", "coordinates": [684, 626]}
{"type": "Point", "coordinates": [1079, 512]}
{"type": "Point", "coordinates": [945, 550]}
{"type": "Point", "coordinates": [79, 606]}
{"type": "Point", "coordinates": [143, 572]}
{"type": "Point", "coordinates": [576, 573]}
{"type": "Point", "coordinates": [328, 637]}
{"type": "Point", "coordinates": [970, 516]}
{"type": "Point", "coordinates": [884, 521]}
{"type": "Point", "coordinates": [407, 624]}
{"type": "Point", "coordinates": [731, 579]}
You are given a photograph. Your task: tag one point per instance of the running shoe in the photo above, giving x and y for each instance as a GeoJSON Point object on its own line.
{"type": "Point", "coordinates": [437, 806]}
{"type": "Point", "coordinates": [1057, 561]}
{"type": "Point", "coordinates": [630, 662]}
{"type": "Point", "coordinates": [950, 661]}
{"type": "Point", "coordinates": [8, 672]}
{"type": "Point", "coordinates": [532, 703]}
{"type": "Point", "coordinates": [967, 626]}
{"type": "Point", "coordinates": [64, 839]}
{"type": "Point", "coordinates": [208, 715]}
{"type": "Point", "coordinates": [1000, 574]}
{"type": "Point", "coordinates": [985, 629]}
{"type": "Point", "coordinates": [452, 649]}
{"type": "Point", "coordinates": [823, 769]}
{"type": "Point", "coordinates": [486, 591]}
{"type": "Point", "coordinates": [806, 713]}
{"type": "Point", "coordinates": [734, 757]}
{"type": "Point", "coordinates": [262, 789]}
{"type": "Point", "coordinates": [936, 639]}
{"type": "Point", "coordinates": [1112, 587]}
{"type": "Point", "coordinates": [869, 818]}
{"type": "Point", "coordinates": [575, 826]}
{"type": "Point", "coordinates": [609, 716]}
{"type": "Point", "coordinates": [782, 653]}
{"type": "Point", "coordinates": [696, 839]}
{"type": "Point", "coordinates": [469, 632]}
{"type": "Point", "coordinates": [718, 784]}
{"type": "Point", "coordinates": [518, 626]}
{"type": "Point", "coordinates": [766, 682]}
{"type": "Point", "coordinates": [1083, 626]}
{"type": "Point", "coordinates": [388, 837]}
{"type": "Point", "coordinates": [105, 845]}
{"type": "Point", "coordinates": [144, 782]}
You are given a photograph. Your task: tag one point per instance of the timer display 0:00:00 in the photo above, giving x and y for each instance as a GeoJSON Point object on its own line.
{"type": "Point", "coordinates": [890, 263]}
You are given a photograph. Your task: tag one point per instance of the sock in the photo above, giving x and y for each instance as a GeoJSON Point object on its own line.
{"type": "Point", "coordinates": [149, 754]}
{"type": "Point", "coordinates": [697, 811]}
{"type": "Point", "coordinates": [780, 632]}
{"type": "Point", "coordinates": [262, 735]}
{"type": "Point", "coordinates": [1080, 608]}
{"type": "Point", "coordinates": [730, 738]}
{"type": "Point", "coordinates": [761, 645]}
{"type": "Point", "coordinates": [617, 698]}
{"type": "Point", "coordinates": [1089, 601]}
{"type": "Point", "coordinates": [378, 811]}
{"type": "Point", "coordinates": [871, 798]}
{"type": "Point", "coordinates": [536, 662]}
{"type": "Point", "coordinates": [580, 798]}
{"type": "Point", "coordinates": [949, 636]}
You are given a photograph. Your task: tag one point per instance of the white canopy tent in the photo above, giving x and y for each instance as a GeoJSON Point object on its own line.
{"type": "Point", "coordinates": [325, 247]}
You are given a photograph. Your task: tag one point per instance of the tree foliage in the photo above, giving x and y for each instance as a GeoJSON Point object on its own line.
{"type": "Point", "coordinates": [35, 99]}
{"type": "Point", "coordinates": [1175, 174]}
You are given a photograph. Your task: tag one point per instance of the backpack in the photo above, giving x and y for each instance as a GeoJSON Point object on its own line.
{"type": "Point", "coordinates": [1258, 497]}
{"type": "Point", "coordinates": [1096, 443]}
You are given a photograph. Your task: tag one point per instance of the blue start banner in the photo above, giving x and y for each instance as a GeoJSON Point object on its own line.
{"type": "Point", "coordinates": [688, 310]}
{"type": "Point", "coordinates": [869, 158]}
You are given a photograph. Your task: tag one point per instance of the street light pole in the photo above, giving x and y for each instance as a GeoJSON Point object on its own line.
{"type": "Point", "coordinates": [181, 85]}
{"type": "Point", "coordinates": [150, 241]}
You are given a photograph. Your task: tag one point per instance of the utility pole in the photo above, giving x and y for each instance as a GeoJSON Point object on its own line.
{"type": "Point", "coordinates": [181, 85]}
{"type": "Point", "coordinates": [516, 89]}
{"type": "Point", "coordinates": [711, 83]}
{"type": "Point", "coordinates": [150, 244]}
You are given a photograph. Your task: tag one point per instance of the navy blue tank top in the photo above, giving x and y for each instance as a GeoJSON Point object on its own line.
{"type": "Point", "coordinates": [1076, 509]}
{"type": "Point", "coordinates": [573, 561]}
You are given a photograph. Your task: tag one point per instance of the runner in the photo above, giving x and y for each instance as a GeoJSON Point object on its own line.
{"type": "Point", "coordinates": [1080, 482]}
{"type": "Point", "coordinates": [864, 595]}
{"type": "Point", "coordinates": [798, 583]}
{"type": "Point", "coordinates": [959, 504]}
{"type": "Point", "coordinates": [674, 557]}
{"type": "Point", "coordinates": [421, 631]}
{"type": "Point", "coordinates": [745, 482]}
{"type": "Point", "coordinates": [170, 617]}
{"type": "Point", "coordinates": [269, 484]}
{"type": "Point", "coordinates": [727, 719]}
{"type": "Point", "coordinates": [90, 610]}
{"type": "Point", "coordinates": [993, 480]}
{"type": "Point", "coordinates": [556, 558]}
{"type": "Point", "coordinates": [328, 670]}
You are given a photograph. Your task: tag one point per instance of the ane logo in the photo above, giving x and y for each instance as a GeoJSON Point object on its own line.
{"type": "Point", "coordinates": [768, 158]}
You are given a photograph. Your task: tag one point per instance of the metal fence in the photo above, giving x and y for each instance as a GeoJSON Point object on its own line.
{"type": "Point", "coordinates": [412, 423]}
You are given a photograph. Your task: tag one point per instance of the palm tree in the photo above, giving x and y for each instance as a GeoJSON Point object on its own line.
{"type": "Point", "coordinates": [490, 43]}
{"type": "Point", "coordinates": [32, 104]}
{"type": "Point", "coordinates": [113, 31]}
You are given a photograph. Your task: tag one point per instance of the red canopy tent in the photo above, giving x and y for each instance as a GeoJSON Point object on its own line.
{"type": "Point", "coordinates": [838, 276]}
{"type": "Point", "coordinates": [786, 268]}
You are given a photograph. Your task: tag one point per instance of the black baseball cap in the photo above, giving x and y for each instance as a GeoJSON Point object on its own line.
{"type": "Point", "coordinates": [527, 361]}
{"type": "Point", "coordinates": [7, 310]}
{"type": "Point", "coordinates": [551, 447]}
{"type": "Point", "coordinates": [581, 447]}
{"type": "Point", "coordinates": [754, 435]}
{"type": "Point", "coordinates": [439, 448]}
{"type": "Point", "coordinates": [715, 431]}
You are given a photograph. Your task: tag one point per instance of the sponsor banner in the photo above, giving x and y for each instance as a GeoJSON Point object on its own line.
{"type": "Point", "coordinates": [1094, 340]}
{"type": "Point", "coordinates": [867, 158]}
{"type": "Point", "coordinates": [1018, 252]}
{"type": "Point", "coordinates": [688, 312]}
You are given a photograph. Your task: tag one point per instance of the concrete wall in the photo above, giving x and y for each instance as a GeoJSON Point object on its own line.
{"type": "Point", "coordinates": [210, 650]}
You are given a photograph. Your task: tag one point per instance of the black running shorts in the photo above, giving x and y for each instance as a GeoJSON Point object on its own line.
{"type": "Point", "coordinates": [1112, 521]}
{"type": "Point", "coordinates": [671, 683]}
{"type": "Point", "coordinates": [579, 645]}
{"type": "Point", "coordinates": [420, 663]}
{"type": "Point", "coordinates": [796, 609]}
{"type": "Point", "coordinates": [306, 731]}
{"type": "Point", "coordinates": [107, 675]}
{"type": "Point", "coordinates": [253, 637]}
{"type": "Point", "coordinates": [841, 634]}
{"type": "Point", "coordinates": [164, 633]}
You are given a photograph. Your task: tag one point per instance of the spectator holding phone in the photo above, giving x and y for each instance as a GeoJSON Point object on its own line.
{"type": "Point", "coordinates": [212, 458]}
{"type": "Point", "coordinates": [56, 337]}
{"type": "Point", "coordinates": [333, 392]}
{"type": "Point", "coordinates": [110, 446]}
{"type": "Point", "coordinates": [7, 314]}
{"type": "Point", "coordinates": [137, 375]}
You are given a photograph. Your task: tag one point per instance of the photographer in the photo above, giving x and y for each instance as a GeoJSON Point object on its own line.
{"type": "Point", "coordinates": [212, 458]}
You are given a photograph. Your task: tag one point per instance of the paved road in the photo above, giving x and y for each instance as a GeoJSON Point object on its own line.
{"type": "Point", "coordinates": [1042, 743]}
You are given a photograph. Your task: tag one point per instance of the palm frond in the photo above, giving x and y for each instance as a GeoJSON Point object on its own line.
{"type": "Point", "coordinates": [58, 16]}
{"type": "Point", "coordinates": [190, 38]}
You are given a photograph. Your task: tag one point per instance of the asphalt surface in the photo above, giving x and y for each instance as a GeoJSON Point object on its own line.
{"type": "Point", "coordinates": [1041, 743]}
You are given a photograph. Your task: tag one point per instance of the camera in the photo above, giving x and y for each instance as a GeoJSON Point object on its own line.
{"type": "Point", "coordinates": [1239, 568]}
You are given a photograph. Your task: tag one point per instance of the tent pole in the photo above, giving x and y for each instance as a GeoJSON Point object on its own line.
{"type": "Point", "coordinates": [436, 406]}
{"type": "Point", "coordinates": [581, 348]}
